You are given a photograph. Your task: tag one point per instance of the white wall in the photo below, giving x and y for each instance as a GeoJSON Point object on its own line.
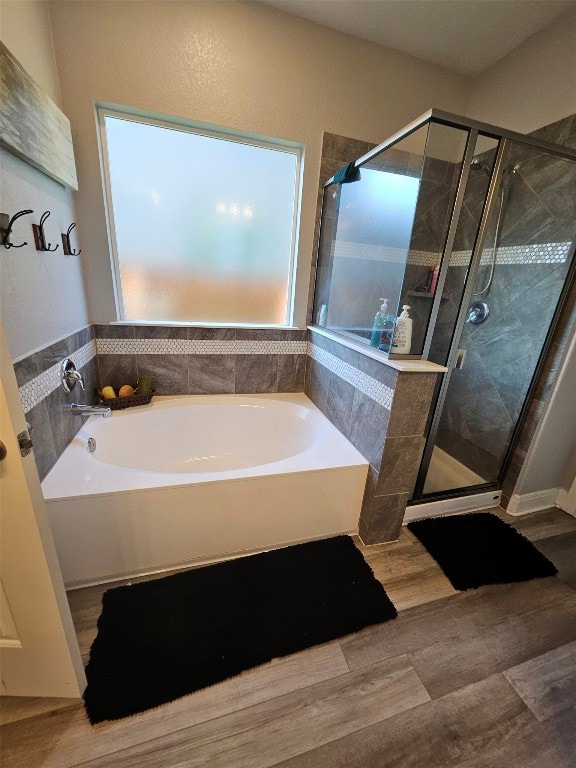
{"type": "Point", "coordinates": [41, 294]}
{"type": "Point", "coordinates": [550, 462]}
{"type": "Point", "coordinates": [25, 31]}
{"type": "Point", "coordinates": [534, 85]}
{"type": "Point", "coordinates": [240, 65]}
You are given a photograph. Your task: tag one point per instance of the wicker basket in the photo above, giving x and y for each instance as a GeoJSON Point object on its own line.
{"type": "Point", "coordinates": [119, 403]}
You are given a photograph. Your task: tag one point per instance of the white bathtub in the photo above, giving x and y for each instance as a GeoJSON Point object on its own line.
{"type": "Point", "coordinates": [193, 479]}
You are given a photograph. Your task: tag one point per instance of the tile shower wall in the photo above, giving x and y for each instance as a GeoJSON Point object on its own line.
{"type": "Point", "coordinates": [562, 132]}
{"type": "Point", "coordinates": [337, 151]}
{"type": "Point", "coordinates": [386, 429]}
{"type": "Point", "coordinates": [383, 413]}
{"type": "Point", "coordinates": [537, 227]}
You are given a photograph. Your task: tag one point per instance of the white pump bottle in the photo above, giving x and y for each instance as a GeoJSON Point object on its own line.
{"type": "Point", "coordinates": [403, 333]}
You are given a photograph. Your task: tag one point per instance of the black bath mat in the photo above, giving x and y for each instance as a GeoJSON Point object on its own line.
{"type": "Point", "coordinates": [479, 549]}
{"type": "Point", "coordinates": [162, 639]}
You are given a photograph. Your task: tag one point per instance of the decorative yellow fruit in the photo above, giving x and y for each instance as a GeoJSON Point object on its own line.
{"type": "Point", "coordinates": [126, 391]}
{"type": "Point", "coordinates": [108, 393]}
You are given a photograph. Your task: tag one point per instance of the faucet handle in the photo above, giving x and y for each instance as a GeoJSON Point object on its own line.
{"type": "Point", "coordinates": [69, 376]}
{"type": "Point", "coordinates": [75, 376]}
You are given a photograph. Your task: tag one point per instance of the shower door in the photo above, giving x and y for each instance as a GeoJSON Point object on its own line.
{"type": "Point", "coordinates": [506, 277]}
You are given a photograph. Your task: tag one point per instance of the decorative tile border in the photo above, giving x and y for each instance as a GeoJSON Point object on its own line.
{"type": "Point", "coordinates": [34, 391]}
{"type": "Point", "coordinates": [536, 253]}
{"type": "Point", "coordinates": [43, 385]}
{"type": "Point", "coordinates": [374, 389]}
{"type": "Point", "coordinates": [47, 382]}
{"type": "Point", "coordinates": [198, 347]}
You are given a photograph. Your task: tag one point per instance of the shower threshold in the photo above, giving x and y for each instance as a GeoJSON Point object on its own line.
{"type": "Point", "coordinates": [453, 506]}
{"type": "Point", "coordinates": [446, 472]}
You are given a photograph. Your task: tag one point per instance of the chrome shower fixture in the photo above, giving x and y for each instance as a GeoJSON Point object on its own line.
{"type": "Point", "coordinates": [480, 165]}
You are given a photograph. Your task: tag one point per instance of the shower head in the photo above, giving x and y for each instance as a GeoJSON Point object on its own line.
{"type": "Point", "coordinates": [480, 165]}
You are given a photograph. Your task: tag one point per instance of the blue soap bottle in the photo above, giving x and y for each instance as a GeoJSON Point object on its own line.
{"type": "Point", "coordinates": [387, 333]}
{"type": "Point", "coordinates": [379, 321]}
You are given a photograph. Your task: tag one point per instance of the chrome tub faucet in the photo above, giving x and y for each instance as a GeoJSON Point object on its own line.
{"type": "Point", "coordinates": [78, 409]}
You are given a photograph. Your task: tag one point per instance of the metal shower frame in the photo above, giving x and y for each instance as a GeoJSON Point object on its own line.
{"type": "Point", "coordinates": [504, 138]}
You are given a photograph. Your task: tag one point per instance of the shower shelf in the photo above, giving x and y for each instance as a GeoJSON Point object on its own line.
{"type": "Point", "coordinates": [423, 295]}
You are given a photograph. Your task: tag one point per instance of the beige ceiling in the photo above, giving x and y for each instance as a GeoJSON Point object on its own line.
{"type": "Point", "coordinates": [466, 36]}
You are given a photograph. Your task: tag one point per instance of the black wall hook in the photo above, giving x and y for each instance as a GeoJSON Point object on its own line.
{"type": "Point", "coordinates": [40, 237]}
{"type": "Point", "coordinates": [66, 246]}
{"type": "Point", "coordinates": [6, 231]}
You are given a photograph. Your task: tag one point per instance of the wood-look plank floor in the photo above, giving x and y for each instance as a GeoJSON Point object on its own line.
{"type": "Point", "coordinates": [485, 678]}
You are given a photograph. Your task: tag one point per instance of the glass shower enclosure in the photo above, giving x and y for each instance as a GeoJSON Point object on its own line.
{"type": "Point", "coordinates": [474, 229]}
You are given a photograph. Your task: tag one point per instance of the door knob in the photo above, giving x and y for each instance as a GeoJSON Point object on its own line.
{"type": "Point", "coordinates": [3, 451]}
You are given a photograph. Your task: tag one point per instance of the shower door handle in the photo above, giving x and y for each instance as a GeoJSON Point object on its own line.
{"type": "Point", "coordinates": [460, 357]}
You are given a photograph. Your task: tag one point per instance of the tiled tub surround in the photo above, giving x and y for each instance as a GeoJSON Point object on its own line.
{"type": "Point", "coordinates": [202, 361]}
{"type": "Point", "coordinates": [45, 403]}
{"type": "Point", "coordinates": [383, 412]}
{"type": "Point", "coordinates": [180, 360]}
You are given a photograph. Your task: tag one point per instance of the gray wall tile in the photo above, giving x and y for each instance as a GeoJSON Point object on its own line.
{"type": "Point", "coordinates": [400, 463]}
{"type": "Point", "coordinates": [368, 426]}
{"type": "Point", "coordinates": [160, 332]}
{"type": "Point", "coordinates": [63, 424]}
{"type": "Point", "coordinates": [379, 371]}
{"type": "Point", "coordinates": [291, 371]}
{"type": "Point", "coordinates": [41, 434]}
{"type": "Point", "coordinates": [386, 517]}
{"type": "Point", "coordinates": [102, 331]}
{"type": "Point", "coordinates": [267, 334]}
{"type": "Point", "coordinates": [212, 334]}
{"type": "Point", "coordinates": [411, 404]}
{"type": "Point", "coordinates": [256, 373]}
{"type": "Point", "coordinates": [53, 354]}
{"type": "Point", "coordinates": [116, 370]}
{"type": "Point", "coordinates": [169, 373]}
{"type": "Point", "coordinates": [89, 374]}
{"type": "Point", "coordinates": [211, 374]}
{"type": "Point", "coordinates": [317, 383]}
{"type": "Point", "coordinates": [339, 404]}
{"type": "Point", "coordinates": [26, 370]}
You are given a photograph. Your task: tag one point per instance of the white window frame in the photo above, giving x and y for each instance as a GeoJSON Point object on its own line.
{"type": "Point", "coordinates": [104, 110]}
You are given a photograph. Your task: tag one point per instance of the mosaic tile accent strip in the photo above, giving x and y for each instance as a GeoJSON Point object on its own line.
{"type": "Point", "coordinates": [535, 253]}
{"type": "Point", "coordinates": [41, 386]}
{"type": "Point", "coordinates": [198, 347]}
{"type": "Point", "coordinates": [374, 389]}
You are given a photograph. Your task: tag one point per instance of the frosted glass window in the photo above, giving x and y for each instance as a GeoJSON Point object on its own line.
{"type": "Point", "coordinates": [203, 226]}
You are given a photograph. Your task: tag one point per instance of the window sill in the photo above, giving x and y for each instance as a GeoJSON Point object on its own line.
{"type": "Point", "coordinates": [177, 324]}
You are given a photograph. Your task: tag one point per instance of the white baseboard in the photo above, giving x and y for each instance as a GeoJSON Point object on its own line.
{"type": "Point", "coordinates": [455, 506]}
{"type": "Point", "coordinates": [566, 500]}
{"type": "Point", "coordinates": [524, 504]}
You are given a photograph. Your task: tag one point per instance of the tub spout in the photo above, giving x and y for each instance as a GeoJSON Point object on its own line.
{"type": "Point", "coordinates": [78, 409]}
